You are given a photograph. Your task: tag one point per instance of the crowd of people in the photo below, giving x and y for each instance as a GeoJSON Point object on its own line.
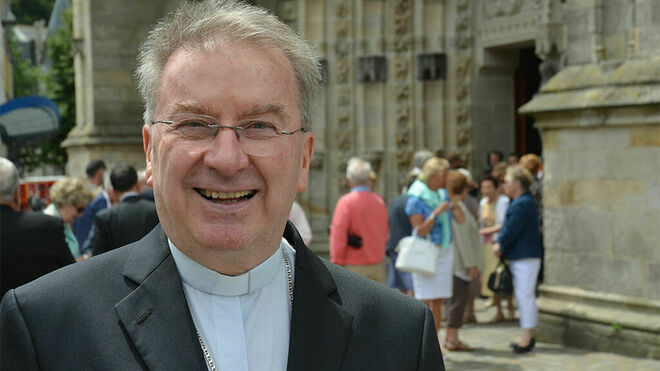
{"type": "Point", "coordinates": [224, 280]}
{"type": "Point", "coordinates": [83, 216]}
{"type": "Point", "coordinates": [475, 224]}
{"type": "Point", "coordinates": [212, 272]}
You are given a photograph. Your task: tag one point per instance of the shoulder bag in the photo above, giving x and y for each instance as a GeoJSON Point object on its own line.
{"type": "Point", "coordinates": [417, 255]}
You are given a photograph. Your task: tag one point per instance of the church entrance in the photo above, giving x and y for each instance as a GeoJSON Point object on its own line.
{"type": "Point", "coordinates": [526, 84]}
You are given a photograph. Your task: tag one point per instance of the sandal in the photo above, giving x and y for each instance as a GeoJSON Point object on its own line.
{"type": "Point", "coordinates": [457, 346]}
{"type": "Point", "coordinates": [498, 318]}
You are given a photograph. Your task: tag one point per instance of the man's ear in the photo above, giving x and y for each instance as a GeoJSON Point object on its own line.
{"type": "Point", "coordinates": [148, 152]}
{"type": "Point", "coordinates": [307, 153]}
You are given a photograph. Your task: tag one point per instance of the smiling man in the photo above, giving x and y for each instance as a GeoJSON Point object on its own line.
{"type": "Point", "coordinates": [224, 282]}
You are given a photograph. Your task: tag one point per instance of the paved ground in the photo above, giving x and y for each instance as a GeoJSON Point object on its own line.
{"type": "Point", "coordinates": [492, 352]}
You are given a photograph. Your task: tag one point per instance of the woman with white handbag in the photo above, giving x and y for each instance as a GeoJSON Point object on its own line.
{"type": "Point", "coordinates": [428, 210]}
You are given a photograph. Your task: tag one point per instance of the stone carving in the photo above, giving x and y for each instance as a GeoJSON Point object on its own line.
{"type": "Point", "coordinates": [342, 70]}
{"type": "Point", "coordinates": [403, 158]}
{"type": "Point", "coordinates": [508, 21]}
{"type": "Point", "coordinates": [463, 135]}
{"type": "Point", "coordinates": [344, 99]}
{"type": "Point", "coordinates": [401, 67]}
{"type": "Point", "coordinates": [501, 8]}
{"type": "Point", "coordinates": [342, 47]}
{"type": "Point", "coordinates": [341, 28]}
{"type": "Point", "coordinates": [463, 71]}
{"type": "Point", "coordinates": [342, 8]}
{"type": "Point", "coordinates": [403, 41]}
{"type": "Point", "coordinates": [403, 137]}
{"type": "Point", "coordinates": [402, 92]}
{"type": "Point", "coordinates": [344, 139]}
{"type": "Point", "coordinates": [375, 158]}
{"type": "Point", "coordinates": [551, 39]}
{"type": "Point", "coordinates": [402, 114]}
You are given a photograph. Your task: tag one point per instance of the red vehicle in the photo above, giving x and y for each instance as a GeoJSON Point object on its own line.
{"type": "Point", "coordinates": [36, 185]}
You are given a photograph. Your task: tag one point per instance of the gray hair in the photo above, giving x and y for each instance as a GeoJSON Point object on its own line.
{"type": "Point", "coordinates": [357, 171]}
{"type": "Point", "coordinates": [204, 25]}
{"type": "Point", "coordinates": [8, 180]}
{"type": "Point", "coordinates": [420, 157]}
{"type": "Point", "coordinates": [520, 174]}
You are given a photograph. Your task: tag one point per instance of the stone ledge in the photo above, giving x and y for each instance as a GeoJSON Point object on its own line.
{"type": "Point", "coordinates": [596, 336]}
{"type": "Point", "coordinates": [634, 83]}
{"type": "Point", "coordinates": [613, 310]}
{"type": "Point", "coordinates": [644, 71]}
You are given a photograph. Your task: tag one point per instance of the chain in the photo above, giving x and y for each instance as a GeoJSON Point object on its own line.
{"type": "Point", "coordinates": [289, 279]}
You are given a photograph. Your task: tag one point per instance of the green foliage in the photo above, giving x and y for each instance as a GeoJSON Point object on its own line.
{"type": "Point", "coordinates": [60, 87]}
{"type": "Point", "coordinates": [28, 11]}
{"type": "Point", "coordinates": [25, 76]}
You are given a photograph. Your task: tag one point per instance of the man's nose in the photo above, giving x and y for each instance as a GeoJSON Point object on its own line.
{"type": "Point", "coordinates": [224, 153]}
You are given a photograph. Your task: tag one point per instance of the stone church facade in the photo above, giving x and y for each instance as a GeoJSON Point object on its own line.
{"type": "Point", "coordinates": [575, 80]}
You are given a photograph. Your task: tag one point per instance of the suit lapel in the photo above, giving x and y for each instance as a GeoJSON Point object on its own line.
{"type": "Point", "coordinates": [320, 327]}
{"type": "Point", "coordinates": [156, 315]}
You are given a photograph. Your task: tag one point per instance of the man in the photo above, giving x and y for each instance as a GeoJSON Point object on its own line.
{"type": "Point", "coordinates": [224, 282]}
{"type": "Point", "coordinates": [359, 228]}
{"type": "Point", "coordinates": [95, 170]}
{"type": "Point", "coordinates": [31, 243]}
{"type": "Point", "coordinates": [84, 225]}
{"type": "Point", "coordinates": [128, 221]}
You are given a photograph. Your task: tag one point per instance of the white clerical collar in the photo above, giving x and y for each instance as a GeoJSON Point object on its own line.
{"type": "Point", "coordinates": [214, 283]}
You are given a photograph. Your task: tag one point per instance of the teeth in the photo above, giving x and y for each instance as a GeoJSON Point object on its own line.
{"type": "Point", "coordinates": [223, 195]}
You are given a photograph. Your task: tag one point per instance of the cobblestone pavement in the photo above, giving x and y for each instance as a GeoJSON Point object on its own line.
{"type": "Point", "coordinates": [492, 352]}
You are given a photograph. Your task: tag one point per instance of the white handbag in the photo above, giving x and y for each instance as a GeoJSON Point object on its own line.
{"type": "Point", "coordinates": [417, 255]}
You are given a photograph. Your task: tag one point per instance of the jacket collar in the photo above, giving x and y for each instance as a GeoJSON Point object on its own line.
{"type": "Point", "coordinates": [157, 319]}
{"type": "Point", "coordinates": [320, 327]}
{"type": "Point", "coordinates": [155, 315]}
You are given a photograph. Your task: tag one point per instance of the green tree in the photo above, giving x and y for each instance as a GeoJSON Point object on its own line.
{"type": "Point", "coordinates": [25, 76]}
{"type": "Point", "coordinates": [28, 11]}
{"type": "Point", "coordinates": [60, 87]}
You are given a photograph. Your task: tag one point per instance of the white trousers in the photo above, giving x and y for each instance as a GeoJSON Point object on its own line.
{"type": "Point", "coordinates": [525, 272]}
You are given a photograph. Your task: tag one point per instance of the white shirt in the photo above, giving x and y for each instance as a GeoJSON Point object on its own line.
{"type": "Point", "coordinates": [244, 320]}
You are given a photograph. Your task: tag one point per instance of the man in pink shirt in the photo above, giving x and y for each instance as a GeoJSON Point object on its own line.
{"type": "Point", "coordinates": [359, 228]}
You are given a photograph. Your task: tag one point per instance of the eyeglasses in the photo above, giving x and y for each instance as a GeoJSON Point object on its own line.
{"type": "Point", "coordinates": [255, 137]}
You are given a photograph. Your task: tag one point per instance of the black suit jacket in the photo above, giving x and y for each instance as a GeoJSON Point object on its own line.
{"type": "Point", "coordinates": [31, 245]}
{"type": "Point", "coordinates": [126, 222]}
{"type": "Point", "coordinates": [126, 310]}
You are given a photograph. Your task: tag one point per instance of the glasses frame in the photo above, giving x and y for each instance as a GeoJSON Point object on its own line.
{"type": "Point", "coordinates": [216, 127]}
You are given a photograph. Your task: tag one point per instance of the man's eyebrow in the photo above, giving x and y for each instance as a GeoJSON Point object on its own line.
{"type": "Point", "coordinates": [188, 107]}
{"type": "Point", "coordinates": [275, 108]}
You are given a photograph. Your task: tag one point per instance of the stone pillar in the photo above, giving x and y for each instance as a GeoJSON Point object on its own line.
{"type": "Point", "coordinates": [601, 198]}
{"type": "Point", "coordinates": [107, 34]}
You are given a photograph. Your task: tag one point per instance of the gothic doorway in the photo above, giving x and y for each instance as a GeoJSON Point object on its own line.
{"type": "Point", "coordinates": [526, 85]}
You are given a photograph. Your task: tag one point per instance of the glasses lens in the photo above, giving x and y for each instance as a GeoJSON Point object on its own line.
{"type": "Point", "coordinates": [258, 130]}
{"type": "Point", "coordinates": [193, 127]}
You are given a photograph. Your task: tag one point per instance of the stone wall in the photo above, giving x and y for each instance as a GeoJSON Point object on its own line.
{"type": "Point", "coordinates": [601, 136]}
{"type": "Point", "coordinates": [107, 34]}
